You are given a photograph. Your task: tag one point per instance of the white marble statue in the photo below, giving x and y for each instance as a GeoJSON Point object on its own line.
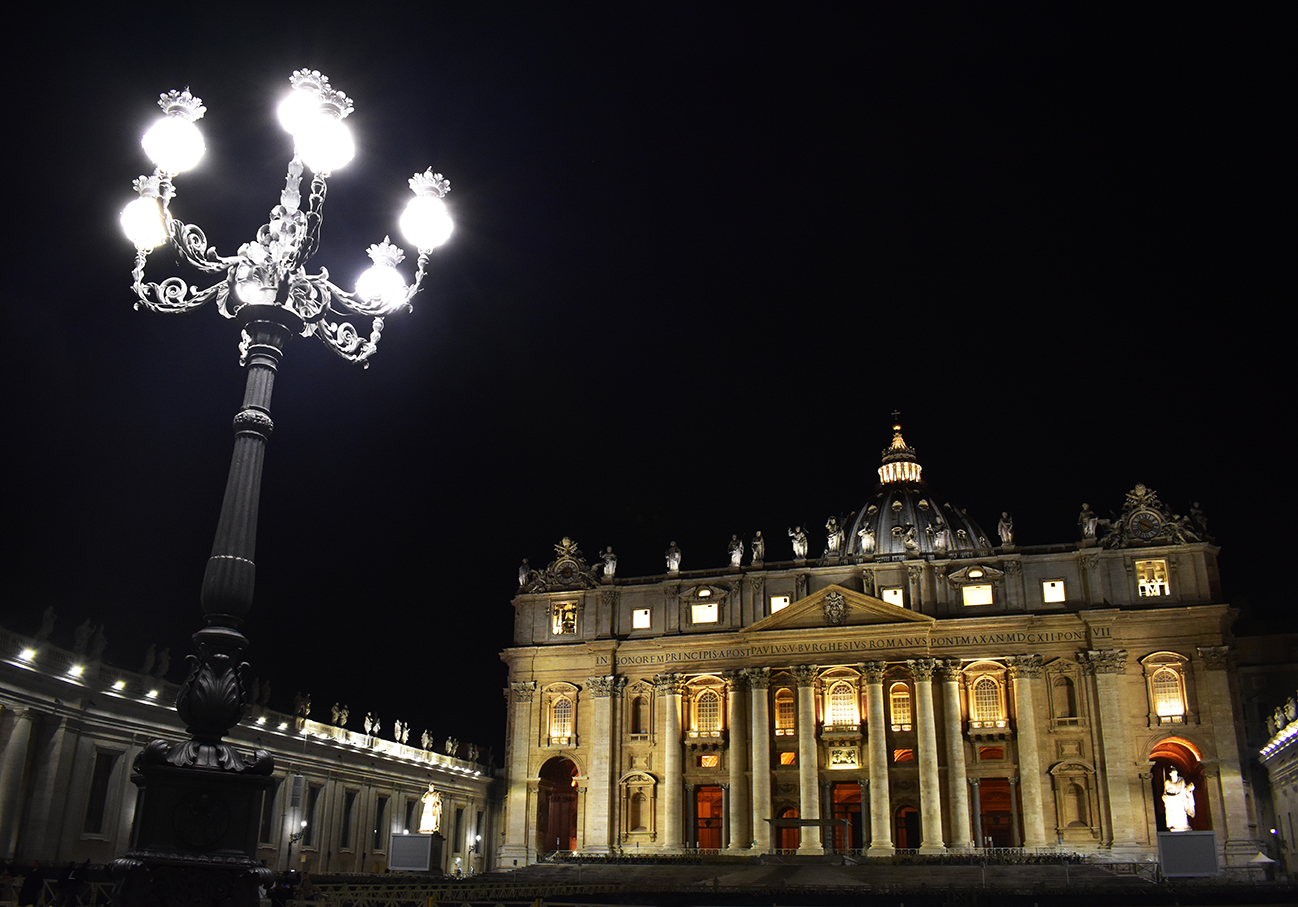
{"type": "Point", "coordinates": [673, 558]}
{"type": "Point", "coordinates": [759, 548]}
{"type": "Point", "coordinates": [799, 536]}
{"type": "Point", "coordinates": [865, 543]}
{"type": "Point", "coordinates": [1178, 801]}
{"type": "Point", "coordinates": [1006, 529]}
{"type": "Point", "coordinates": [1087, 521]}
{"type": "Point", "coordinates": [430, 819]}
{"type": "Point", "coordinates": [736, 549]}
{"type": "Point", "coordinates": [834, 539]}
{"type": "Point", "coordinates": [610, 561]}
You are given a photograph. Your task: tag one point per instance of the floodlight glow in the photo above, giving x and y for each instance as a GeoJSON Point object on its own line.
{"type": "Point", "coordinates": [261, 720]}
{"type": "Point", "coordinates": [152, 694]}
{"type": "Point", "coordinates": [77, 670]}
{"type": "Point", "coordinates": [283, 725]}
{"type": "Point", "coordinates": [119, 685]}
{"type": "Point", "coordinates": [27, 654]}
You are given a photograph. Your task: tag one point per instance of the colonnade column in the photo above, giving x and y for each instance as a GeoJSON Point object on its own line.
{"type": "Point", "coordinates": [12, 771]}
{"type": "Point", "coordinates": [977, 814]}
{"type": "Point", "coordinates": [1107, 666]}
{"type": "Point", "coordinates": [808, 759]}
{"type": "Point", "coordinates": [1220, 708]}
{"type": "Point", "coordinates": [599, 797]}
{"type": "Point", "coordinates": [758, 681]}
{"type": "Point", "coordinates": [949, 673]}
{"type": "Point", "coordinates": [930, 787]}
{"type": "Point", "coordinates": [1025, 673]}
{"type": "Point", "coordinates": [521, 741]}
{"type": "Point", "coordinates": [670, 687]}
{"type": "Point", "coordinates": [737, 807]}
{"type": "Point", "coordinates": [876, 728]}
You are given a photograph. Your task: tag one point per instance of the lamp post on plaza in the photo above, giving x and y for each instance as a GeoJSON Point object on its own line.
{"type": "Point", "coordinates": [195, 834]}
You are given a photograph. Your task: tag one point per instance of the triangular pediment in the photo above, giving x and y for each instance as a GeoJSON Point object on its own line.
{"type": "Point", "coordinates": [835, 606]}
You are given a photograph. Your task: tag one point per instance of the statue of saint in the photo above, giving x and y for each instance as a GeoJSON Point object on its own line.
{"type": "Point", "coordinates": [673, 558]}
{"type": "Point", "coordinates": [865, 540]}
{"type": "Point", "coordinates": [736, 549]}
{"type": "Point", "coordinates": [97, 643]}
{"type": "Point", "coordinates": [1088, 522]}
{"type": "Point", "coordinates": [524, 574]}
{"type": "Point", "coordinates": [343, 716]}
{"type": "Point", "coordinates": [48, 617]}
{"type": "Point", "coordinates": [1006, 529]}
{"type": "Point", "coordinates": [1178, 801]}
{"type": "Point", "coordinates": [610, 561]}
{"type": "Point", "coordinates": [426, 739]}
{"type": "Point", "coordinates": [81, 637]}
{"type": "Point", "coordinates": [834, 539]}
{"type": "Point", "coordinates": [799, 536]}
{"type": "Point", "coordinates": [164, 664]}
{"type": "Point", "coordinates": [430, 819]}
{"type": "Point", "coordinates": [759, 548]}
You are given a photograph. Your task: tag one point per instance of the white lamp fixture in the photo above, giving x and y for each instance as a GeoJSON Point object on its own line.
{"type": "Point", "coordinates": [174, 143]}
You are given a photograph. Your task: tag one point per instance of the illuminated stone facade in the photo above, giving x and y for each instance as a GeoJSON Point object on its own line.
{"type": "Point", "coordinates": [917, 687]}
{"type": "Point", "coordinates": [71, 727]}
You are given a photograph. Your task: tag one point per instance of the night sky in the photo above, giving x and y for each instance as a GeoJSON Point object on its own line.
{"type": "Point", "coordinates": [700, 257]}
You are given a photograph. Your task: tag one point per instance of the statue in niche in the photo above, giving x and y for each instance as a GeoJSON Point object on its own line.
{"type": "Point", "coordinates": [150, 656]}
{"type": "Point", "coordinates": [97, 643]}
{"type": "Point", "coordinates": [941, 536]}
{"type": "Point", "coordinates": [47, 623]}
{"type": "Point", "coordinates": [834, 539]}
{"type": "Point", "coordinates": [865, 539]}
{"type": "Point", "coordinates": [1178, 801]}
{"type": "Point", "coordinates": [1005, 528]}
{"type": "Point", "coordinates": [736, 549]}
{"type": "Point", "coordinates": [164, 664]}
{"type": "Point", "coordinates": [81, 637]}
{"type": "Point", "coordinates": [673, 558]}
{"type": "Point", "coordinates": [799, 536]}
{"type": "Point", "coordinates": [610, 561]}
{"type": "Point", "coordinates": [524, 574]}
{"type": "Point", "coordinates": [1088, 522]}
{"type": "Point", "coordinates": [430, 818]}
{"type": "Point", "coordinates": [759, 548]}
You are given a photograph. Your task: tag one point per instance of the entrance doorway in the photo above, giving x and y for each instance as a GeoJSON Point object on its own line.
{"type": "Point", "coordinates": [788, 838]}
{"type": "Point", "coordinates": [997, 813]}
{"type": "Point", "coordinates": [707, 817]}
{"type": "Point", "coordinates": [846, 797]}
{"type": "Point", "coordinates": [906, 829]}
{"type": "Point", "coordinates": [556, 806]}
{"type": "Point", "coordinates": [1181, 756]}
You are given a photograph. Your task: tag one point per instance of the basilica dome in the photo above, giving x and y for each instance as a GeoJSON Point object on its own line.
{"type": "Point", "coordinates": [903, 519]}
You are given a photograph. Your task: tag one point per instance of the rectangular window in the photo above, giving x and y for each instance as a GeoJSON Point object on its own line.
{"type": "Point", "coordinates": [349, 808]}
{"type": "Point", "coordinates": [893, 595]}
{"type": "Point", "coordinates": [784, 713]}
{"type": "Point", "coordinates": [640, 619]}
{"type": "Point", "coordinates": [710, 761]}
{"type": "Point", "coordinates": [1052, 590]}
{"type": "Point", "coordinates": [704, 614]}
{"type": "Point", "coordinates": [1151, 578]}
{"type": "Point", "coordinates": [477, 833]}
{"type": "Point", "coordinates": [990, 752]}
{"type": "Point", "coordinates": [266, 832]}
{"type": "Point", "coordinates": [409, 825]}
{"type": "Point", "coordinates": [779, 603]}
{"type": "Point", "coordinates": [903, 755]}
{"type": "Point", "coordinates": [563, 619]}
{"type": "Point", "coordinates": [459, 830]}
{"type": "Point", "coordinates": [789, 758]}
{"type": "Point", "coordinates": [380, 818]}
{"type": "Point", "coordinates": [980, 594]}
{"type": "Point", "coordinates": [97, 805]}
{"type": "Point", "coordinates": [312, 814]}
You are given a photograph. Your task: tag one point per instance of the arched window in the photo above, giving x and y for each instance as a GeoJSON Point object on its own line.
{"type": "Point", "coordinates": [1064, 699]}
{"type": "Point", "coordinates": [707, 714]}
{"type": "Point", "coordinates": [561, 710]}
{"type": "Point", "coordinates": [987, 708]}
{"type": "Point", "coordinates": [784, 712]}
{"type": "Point", "coordinates": [899, 703]}
{"type": "Point", "coordinates": [637, 716]}
{"type": "Point", "coordinates": [1169, 698]}
{"type": "Point", "coordinates": [842, 705]}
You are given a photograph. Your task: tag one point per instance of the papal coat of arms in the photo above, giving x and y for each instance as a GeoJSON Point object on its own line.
{"type": "Point", "coordinates": [835, 609]}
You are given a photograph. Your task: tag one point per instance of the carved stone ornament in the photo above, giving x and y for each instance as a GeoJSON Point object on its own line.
{"type": "Point", "coordinates": [735, 680]}
{"type": "Point", "coordinates": [609, 598]}
{"type": "Point", "coordinates": [948, 669]}
{"type": "Point", "coordinates": [915, 572]}
{"type": "Point", "coordinates": [670, 684]}
{"type": "Point", "coordinates": [1013, 568]}
{"type": "Point", "coordinates": [1024, 666]}
{"type": "Point", "coordinates": [1145, 520]}
{"type": "Point", "coordinates": [835, 609]}
{"type": "Point", "coordinates": [922, 668]}
{"type": "Point", "coordinates": [974, 574]}
{"type": "Point", "coordinates": [523, 690]}
{"type": "Point", "coordinates": [800, 585]}
{"type": "Point", "coordinates": [568, 570]}
{"type": "Point", "coordinates": [874, 671]}
{"type": "Point", "coordinates": [604, 687]}
{"type": "Point", "coordinates": [1215, 658]}
{"type": "Point", "coordinates": [805, 674]}
{"type": "Point", "coordinates": [1103, 661]}
{"type": "Point", "coordinates": [758, 678]}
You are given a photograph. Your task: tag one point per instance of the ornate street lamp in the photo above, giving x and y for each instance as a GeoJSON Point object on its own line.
{"type": "Point", "coordinates": [195, 834]}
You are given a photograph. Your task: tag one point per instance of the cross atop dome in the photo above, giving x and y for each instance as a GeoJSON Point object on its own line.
{"type": "Point", "coordinates": [899, 461]}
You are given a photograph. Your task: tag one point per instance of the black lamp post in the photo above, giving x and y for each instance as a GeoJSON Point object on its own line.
{"type": "Point", "coordinates": [195, 835]}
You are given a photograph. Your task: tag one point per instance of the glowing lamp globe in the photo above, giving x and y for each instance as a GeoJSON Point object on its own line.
{"type": "Point", "coordinates": [174, 144]}
{"type": "Point", "coordinates": [426, 222]}
{"type": "Point", "coordinates": [300, 105]}
{"type": "Point", "coordinates": [324, 142]}
{"type": "Point", "coordinates": [143, 223]}
{"type": "Point", "coordinates": [382, 283]}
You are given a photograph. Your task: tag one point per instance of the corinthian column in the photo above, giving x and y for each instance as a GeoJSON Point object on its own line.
{"type": "Point", "coordinates": [949, 673]}
{"type": "Point", "coordinates": [12, 772]}
{"type": "Point", "coordinates": [670, 687]}
{"type": "Point", "coordinates": [737, 808]}
{"type": "Point", "coordinates": [758, 681]}
{"type": "Point", "coordinates": [808, 759]}
{"type": "Point", "coordinates": [599, 788]}
{"type": "Point", "coordinates": [1221, 712]}
{"type": "Point", "coordinates": [876, 728]}
{"type": "Point", "coordinates": [930, 788]}
{"type": "Point", "coordinates": [1025, 673]}
{"type": "Point", "coordinates": [1107, 667]}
